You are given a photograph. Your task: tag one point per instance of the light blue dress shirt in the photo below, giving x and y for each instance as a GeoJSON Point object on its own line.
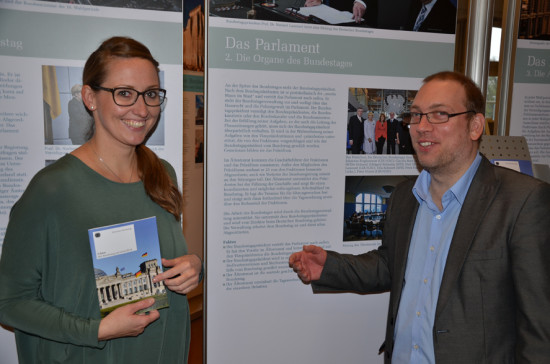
{"type": "Point", "coordinates": [430, 243]}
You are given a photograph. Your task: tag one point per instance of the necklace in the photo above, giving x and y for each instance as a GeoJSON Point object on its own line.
{"type": "Point", "coordinates": [110, 170]}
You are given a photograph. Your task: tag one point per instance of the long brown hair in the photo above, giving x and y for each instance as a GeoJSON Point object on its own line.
{"type": "Point", "coordinates": [158, 184]}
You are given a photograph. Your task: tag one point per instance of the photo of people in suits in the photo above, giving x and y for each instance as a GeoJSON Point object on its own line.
{"type": "Point", "coordinates": [436, 16]}
{"type": "Point", "coordinates": [385, 130]}
{"type": "Point", "coordinates": [432, 16]}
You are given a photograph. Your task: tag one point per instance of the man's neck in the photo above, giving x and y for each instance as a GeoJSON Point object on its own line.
{"type": "Point", "coordinates": [443, 180]}
{"type": "Point", "coordinates": [437, 190]}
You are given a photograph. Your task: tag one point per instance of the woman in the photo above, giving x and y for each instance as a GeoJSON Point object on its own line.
{"type": "Point", "coordinates": [381, 133]}
{"type": "Point", "coordinates": [369, 128]}
{"type": "Point", "coordinates": [48, 287]}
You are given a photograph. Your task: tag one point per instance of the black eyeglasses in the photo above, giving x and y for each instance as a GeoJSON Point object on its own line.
{"type": "Point", "coordinates": [435, 117]}
{"type": "Point", "coordinates": [124, 96]}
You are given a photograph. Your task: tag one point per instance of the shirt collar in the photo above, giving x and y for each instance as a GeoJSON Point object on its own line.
{"type": "Point", "coordinates": [458, 190]}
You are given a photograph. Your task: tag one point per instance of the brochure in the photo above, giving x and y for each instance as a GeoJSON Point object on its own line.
{"type": "Point", "coordinates": [126, 258]}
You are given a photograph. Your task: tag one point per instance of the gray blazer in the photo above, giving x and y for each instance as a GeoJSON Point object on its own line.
{"type": "Point", "coordinates": [494, 300]}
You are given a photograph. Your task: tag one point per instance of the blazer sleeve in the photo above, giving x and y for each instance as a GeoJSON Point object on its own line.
{"type": "Point", "coordinates": [364, 273]}
{"type": "Point", "coordinates": [530, 260]}
{"type": "Point", "coordinates": [372, 272]}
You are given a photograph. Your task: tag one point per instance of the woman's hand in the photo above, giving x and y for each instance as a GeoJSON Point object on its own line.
{"type": "Point", "coordinates": [183, 275]}
{"type": "Point", "coordinates": [124, 321]}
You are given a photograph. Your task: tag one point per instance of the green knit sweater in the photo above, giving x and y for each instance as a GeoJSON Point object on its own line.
{"type": "Point", "coordinates": [47, 285]}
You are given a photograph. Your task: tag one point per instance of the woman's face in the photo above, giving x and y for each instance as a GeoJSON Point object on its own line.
{"type": "Point", "coordinates": [125, 125]}
{"type": "Point", "coordinates": [382, 117]}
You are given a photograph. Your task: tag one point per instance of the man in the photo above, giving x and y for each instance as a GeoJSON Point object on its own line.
{"type": "Point", "coordinates": [392, 133]}
{"type": "Point", "coordinates": [355, 131]}
{"type": "Point", "coordinates": [465, 252]}
{"type": "Point", "coordinates": [80, 122]}
{"type": "Point", "coordinates": [403, 135]}
{"type": "Point", "coordinates": [436, 16]}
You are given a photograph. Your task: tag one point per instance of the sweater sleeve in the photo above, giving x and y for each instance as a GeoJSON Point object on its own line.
{"type": "Point", "coordinates": [27, 297]}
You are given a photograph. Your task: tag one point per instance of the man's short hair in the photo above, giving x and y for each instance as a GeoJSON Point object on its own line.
{"type": "Point", "coordinates": [474, 98]}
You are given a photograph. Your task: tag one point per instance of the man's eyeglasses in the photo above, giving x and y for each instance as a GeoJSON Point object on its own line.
{"type": "Point", "coordinates": [123, 96]}
{"type": "Point", "coordinates": [435, 117]}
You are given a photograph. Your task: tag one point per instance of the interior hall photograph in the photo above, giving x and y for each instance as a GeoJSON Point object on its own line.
{"type": "Point", "coordinates": [365, 205]}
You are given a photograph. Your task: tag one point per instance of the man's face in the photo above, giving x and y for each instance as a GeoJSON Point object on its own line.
{"type": "Point", "coordinates": [392, 115]}
{"type": "Point", "coordinates": [359, 112]}
{"type": "Point", "coordinates": [449, 147]}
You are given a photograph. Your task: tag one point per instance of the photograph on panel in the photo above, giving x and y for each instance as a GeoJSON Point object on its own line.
{"type": "Point", "coordinates": [435, 16]}
{"type": "Point", "coordinates": [365, 203]}
{"type": "Point", "coordinates": [377, 121]}
{"type": "Point", "coordinates": [534, 21]}
{"type": "Point", "coordinates": [193, 36]}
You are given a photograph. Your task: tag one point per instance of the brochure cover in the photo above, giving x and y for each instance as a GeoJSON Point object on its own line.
{"type": "Point", "coordinates": [126, 258]}
{"type": "Point", "coordinates": [517, 165]}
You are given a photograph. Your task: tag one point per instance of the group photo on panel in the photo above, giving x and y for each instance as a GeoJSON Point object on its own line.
{"type": "Point", "coordinates": [378, 121]}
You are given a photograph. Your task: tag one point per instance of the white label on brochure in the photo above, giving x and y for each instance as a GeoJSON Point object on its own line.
{"type": "Point", "coordinates": [115, 241]}
{"type": "Point", "coordinates": [509, 164]}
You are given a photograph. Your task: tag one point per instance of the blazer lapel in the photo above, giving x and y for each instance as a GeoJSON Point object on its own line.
{"type": "Point", "coordinates": [407, 212]}
{"type": "Point", "coordinates": [481, 193]}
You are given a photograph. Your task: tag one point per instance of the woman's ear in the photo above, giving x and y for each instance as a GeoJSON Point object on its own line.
{"type": "Point", "coordinates": [88, 97]}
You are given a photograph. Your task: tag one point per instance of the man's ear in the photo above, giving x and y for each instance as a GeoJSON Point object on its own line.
{"type": "Point", "coordinates": [88, 97]}
{"type": "Point", "coordinates": [477, 124]}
